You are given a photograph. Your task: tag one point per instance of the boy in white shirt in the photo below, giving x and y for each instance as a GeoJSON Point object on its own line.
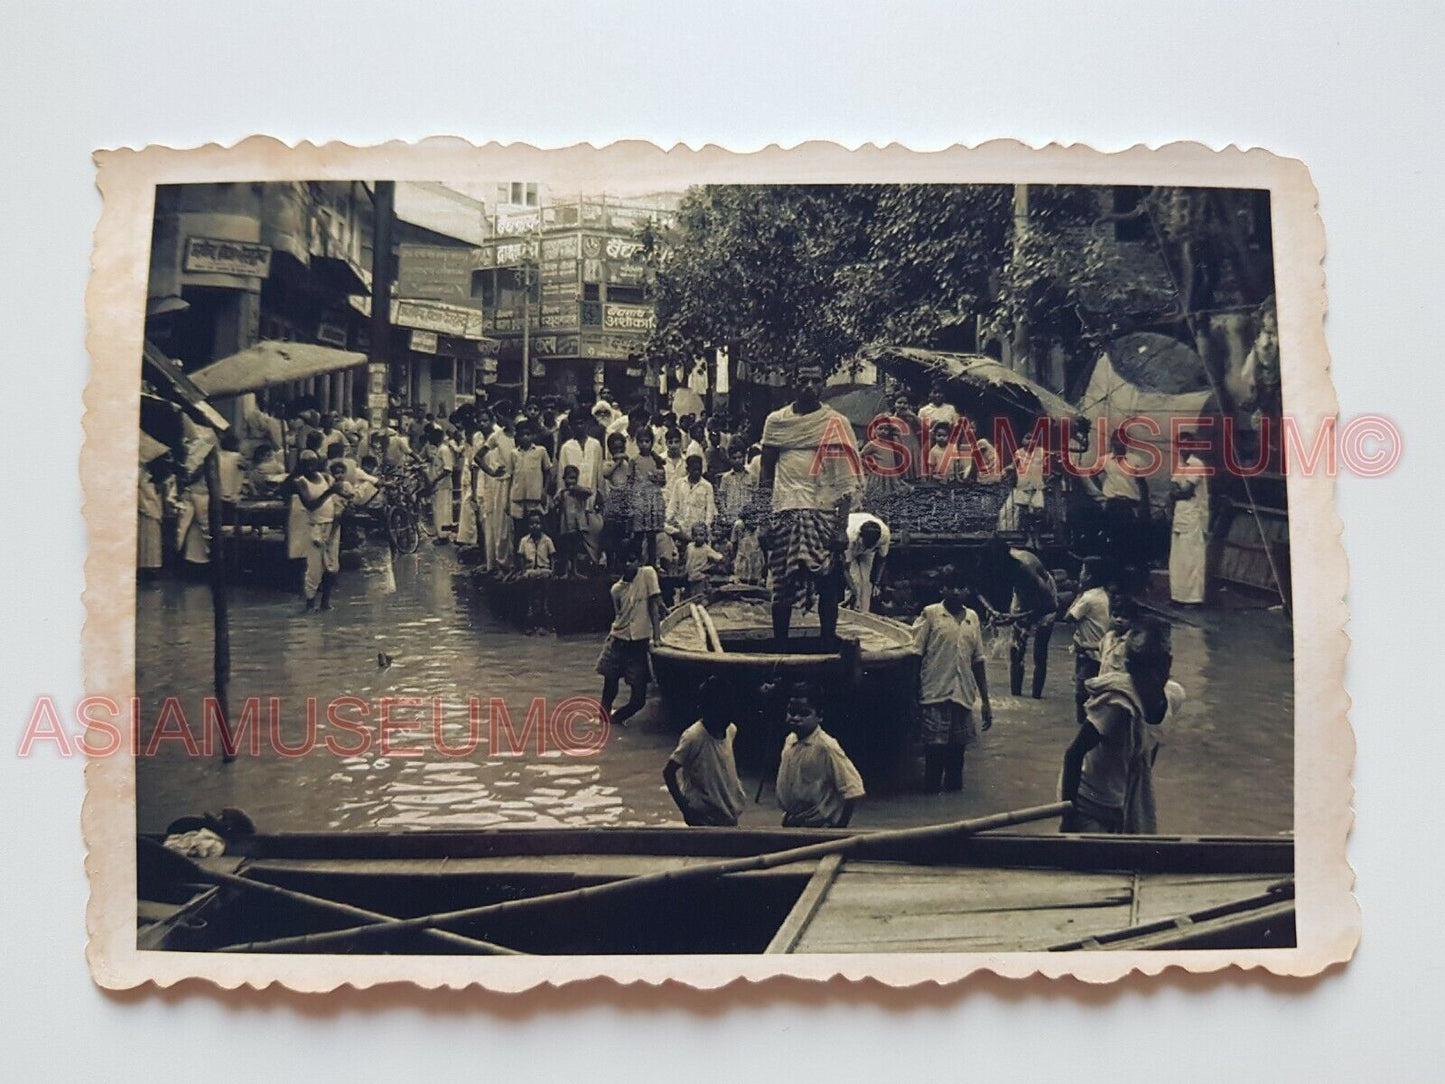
{"type": "Point", "coordinates": [817, 786]}
{"type": "Point", "coordinates": [702, 774]}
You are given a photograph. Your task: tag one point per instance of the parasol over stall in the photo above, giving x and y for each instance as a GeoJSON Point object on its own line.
{"type": "Point", "coordinates": [269, 363]}
{"type": "Point", "coordinates": [986, 378]}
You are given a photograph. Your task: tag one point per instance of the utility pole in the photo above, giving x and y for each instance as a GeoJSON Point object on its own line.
{"type": "Point", "coordinates": [1019, 340]}
{"type": "Point", "coordinates": [526, 327]}
{"type": "Point", "coordinates": [378, 371]}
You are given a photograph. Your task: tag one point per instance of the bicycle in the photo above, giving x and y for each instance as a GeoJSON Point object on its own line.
{"type": "Point", "coordinates": [406, 511]}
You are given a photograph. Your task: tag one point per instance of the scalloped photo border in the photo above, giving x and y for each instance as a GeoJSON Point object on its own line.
{"type": "Point", "coordinates": [1328, 917]}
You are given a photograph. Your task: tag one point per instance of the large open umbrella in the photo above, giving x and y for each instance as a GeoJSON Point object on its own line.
{"type": "Point", "coordinates": [270, 363]}
{"type": "Point", "coordinates": [982, 374]}
{"type": "Point", "coordinates": [859, 403]}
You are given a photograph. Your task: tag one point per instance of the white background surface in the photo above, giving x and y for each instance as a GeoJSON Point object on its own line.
{"type": "Point", "coordinates": [1355, 92]}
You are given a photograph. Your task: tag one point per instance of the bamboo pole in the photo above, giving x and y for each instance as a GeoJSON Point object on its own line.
{"type": "Point", "coordinates": [220, 611]}
{"type": "Point", "coordinates": [199, 872]}
{"type": "Point", "coordinates": [848, 845]}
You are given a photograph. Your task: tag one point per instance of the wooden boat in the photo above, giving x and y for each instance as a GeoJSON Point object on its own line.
{"type": "Point", "coordinates": [578, 605]}
{"type": "Point", "coordinates": [868, 684]}
{"type": "Point", "coordinates": [917, 890]}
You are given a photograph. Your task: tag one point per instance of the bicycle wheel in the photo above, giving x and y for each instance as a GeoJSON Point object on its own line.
{"type": "Point", "coordinates": [401, 528]}
{"type": "Point", "coordinates": [422, 515]}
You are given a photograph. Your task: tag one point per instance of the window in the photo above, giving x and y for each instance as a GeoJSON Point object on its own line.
{"type": "Point", "coordinates": [628, 295]}
{"type": "Point", "coordinates": [531, 195]}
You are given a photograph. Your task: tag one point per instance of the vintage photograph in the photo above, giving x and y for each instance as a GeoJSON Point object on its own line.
{"type": "Point", "coordinates": [747, 569]}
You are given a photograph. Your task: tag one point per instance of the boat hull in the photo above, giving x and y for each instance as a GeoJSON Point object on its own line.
{"type": "Point", "coordinates": [989, 892]}
{"type": "Point", "coordinates": [868, 689]}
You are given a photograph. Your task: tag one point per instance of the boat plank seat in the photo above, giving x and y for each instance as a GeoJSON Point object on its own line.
{"type": "Point", "coordinates": [882, 907]}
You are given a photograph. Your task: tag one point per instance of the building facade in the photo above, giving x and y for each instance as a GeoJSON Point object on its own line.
{"type": "Point", "coordinates": [234, 264]}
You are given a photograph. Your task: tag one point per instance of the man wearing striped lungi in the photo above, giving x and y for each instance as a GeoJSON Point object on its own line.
{"type": "Point", "coordinates": [810, 461]}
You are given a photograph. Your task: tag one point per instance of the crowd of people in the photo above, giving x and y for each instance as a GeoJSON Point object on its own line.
{"type": "Point", "coordinates": [668, 506]}
{"type": "Point", "coordinates": [1123, 694]}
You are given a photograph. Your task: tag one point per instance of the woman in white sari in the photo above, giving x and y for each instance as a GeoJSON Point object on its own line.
{"type": "Point", "coordinates": [496, 495]}
{"type": "Point", "coordinates": [469, 518]}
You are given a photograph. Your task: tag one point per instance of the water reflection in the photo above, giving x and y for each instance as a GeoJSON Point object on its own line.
{"type": "Point", "coordinates": [1226, 768]}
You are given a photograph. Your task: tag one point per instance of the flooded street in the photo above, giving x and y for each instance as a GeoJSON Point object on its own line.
{"type": "Point", "coordinates": [1225, 769]}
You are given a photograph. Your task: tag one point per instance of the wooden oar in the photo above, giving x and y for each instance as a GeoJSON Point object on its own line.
{"type": "Point", "coordinates": [186, 868]}
{"type": "Point", "coordinates": [848, 845]}
{"type": "Point", "coordinates": [697, 622]}
{"type": "Point", "coordinates": [711, 628]}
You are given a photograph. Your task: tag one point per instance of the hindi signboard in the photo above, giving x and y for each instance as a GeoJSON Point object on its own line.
{"type": "Point", "coordinates": [629, 317]}
{"type": "Point", "coordinates": [424, 342]}
{"type": "Point", "coordinates": [217, 256]}
{"type": "Point", "coordinates": [616, 347]}
{"type": "Point", "coordinates": [332, 332]}
{"type": "Point", "coordinates": [435, 271]}
{"type": "Point", "coordinates": [454, 320]}
{"type": "Point", "coordinates": [561, 314]}
{"type": "Point", "coordinates": [555, 345]}
{"type": "Point", "coordinates": [514, 253]}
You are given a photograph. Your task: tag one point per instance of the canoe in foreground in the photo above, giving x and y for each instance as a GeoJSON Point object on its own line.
{"type": "Point", "coordinates": [987, 893]}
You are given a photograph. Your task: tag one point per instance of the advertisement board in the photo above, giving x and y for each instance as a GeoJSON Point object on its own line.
{"type": "Point", "coordinates": [434, 271]}
{"type": "Point", "coordinates": [217, 256]}
{"type": "Point", "coordinates": [629, 317]}
{"type": "Point", "coordinates": [560, 314]}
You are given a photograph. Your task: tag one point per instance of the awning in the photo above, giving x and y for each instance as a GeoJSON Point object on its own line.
{"type": "Point", "coordinates": [174, 386]}
{"type": "Point", "coordinates": [340, 275]}
{"type": "Point", "coordinates": [268, 364]}
{"type": "Point", "coordinates": [981, 373]}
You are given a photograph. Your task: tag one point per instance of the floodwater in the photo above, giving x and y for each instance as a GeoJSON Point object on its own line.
{"type": "Point", "coordinates": [1226, 767]}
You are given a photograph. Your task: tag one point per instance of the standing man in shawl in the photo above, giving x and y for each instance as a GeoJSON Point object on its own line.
{"type": "Point", "coordinates": [810, 462]}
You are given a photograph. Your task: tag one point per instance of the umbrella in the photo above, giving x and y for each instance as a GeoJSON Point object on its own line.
{"type": "Point", "coordinates": [859, 403]}
{"type": "Point", "coordinates": [270, 363]}
{"type": "Point", "coordinates": [980, 373]}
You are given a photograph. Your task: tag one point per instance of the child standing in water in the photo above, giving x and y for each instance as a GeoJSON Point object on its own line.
{"type": "Point", "coordinates": [649, 509]}
{"type": "Point", "coordinates": [531, 475]}
{"type": "Point", "coordinates": [617, 497]}
{"type": "Point", "coordinates": [574, 501]}
{"type": "Point", "coordinates": [818, 786]}
{"type": "Point", "coordinates": [536, 555]}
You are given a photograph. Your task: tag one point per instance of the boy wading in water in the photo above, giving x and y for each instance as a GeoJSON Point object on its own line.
{"type": "Point", "coordinates": [536, 557]}
{"type": "Point", "coordinates": [637, 601]}
{"type": "Point", "coordinates": [953, 687]}
{"type": "Point", "coordinates": [702, 775]}
{"type": "Point", "coordinates": [818, 786]}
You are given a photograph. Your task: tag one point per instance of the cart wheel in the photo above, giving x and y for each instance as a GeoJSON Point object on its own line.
{"type": "Point", "coordinates": [402, 529]}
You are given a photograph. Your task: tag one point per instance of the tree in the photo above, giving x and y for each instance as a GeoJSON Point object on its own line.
{"type": "Point", "coordinates": [812, 272]}
{"type": "Point", "coordinates": [789, 273]}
